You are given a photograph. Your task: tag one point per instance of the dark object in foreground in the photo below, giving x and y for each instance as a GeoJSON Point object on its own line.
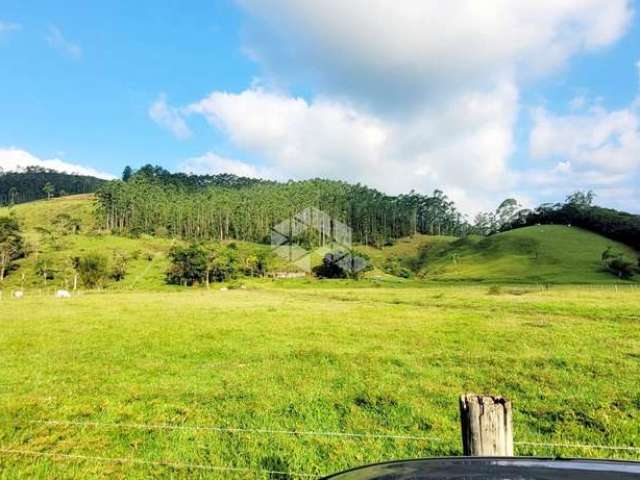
{"type": "Point", "coordinates": [507, 468]}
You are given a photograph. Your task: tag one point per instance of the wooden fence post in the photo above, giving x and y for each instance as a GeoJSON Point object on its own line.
{"type": "Point", "coordinates": [487, 427]}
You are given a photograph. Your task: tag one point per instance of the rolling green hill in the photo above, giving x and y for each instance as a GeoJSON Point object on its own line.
{"type": "Point", "coordinates": [146, 255]}
{"type": "Point", "coordinates": [545, 253]}
{"type": "Point", "coordinates": [538, 254]}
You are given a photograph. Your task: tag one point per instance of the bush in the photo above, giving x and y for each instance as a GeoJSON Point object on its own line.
{"type": "Point", "coordinates": [66, 224]}
{"type": "Point", "coordinates": [343, 263]}
{"type": "Point", "coordinates": [197, 264]}
{"type": "Point", "coordinates": [93, 270]}
{"type": "Point", "coordinates": [256, 264]}
{"type": "Point", "coordinates": [222, 263]}
{"type": "Point", "coordinates": [188, 265]}
{"type": "Point", "coordinates": [393, 266]}
{"type": "Point", "coordinates": [119, 270]}
{"type": "Point", "coordinates": [621, 266]}
{"type": "Point", "coordinates": [618, 264]}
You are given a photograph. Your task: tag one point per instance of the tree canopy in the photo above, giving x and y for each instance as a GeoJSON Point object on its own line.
{"type": "Point", "coordinates": [35, 183]}
{"type": "Point", "coordinates": [222, 207]}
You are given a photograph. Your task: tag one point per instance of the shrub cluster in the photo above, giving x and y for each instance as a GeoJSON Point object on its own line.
{"type": "Point", "coordinates": [619, 264]}
{"type": "Point", "coordinates": [343, 263]}
{"type": "Point", "coordinates": [201, 264]}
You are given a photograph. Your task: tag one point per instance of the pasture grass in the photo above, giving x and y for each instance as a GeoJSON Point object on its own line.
{"type": "Point", "coordinates": [308, 356]}
{"type": "Point", "coordinates": [545, 254]}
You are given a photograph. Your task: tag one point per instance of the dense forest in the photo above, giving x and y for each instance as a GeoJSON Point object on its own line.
{"type": "Point", "coordinates": [154, 201]}
{"type": "Point", "coordinates": [35, 183]}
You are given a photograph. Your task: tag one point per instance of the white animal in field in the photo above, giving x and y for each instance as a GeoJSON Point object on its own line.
{"type": "Point", "coordinates": [18, 294]}
{"type": "Point", "coordinates": [63, 294]}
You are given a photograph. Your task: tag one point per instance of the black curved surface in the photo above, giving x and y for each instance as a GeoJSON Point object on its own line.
{"type": "Point", "coordinates": [478, 468]}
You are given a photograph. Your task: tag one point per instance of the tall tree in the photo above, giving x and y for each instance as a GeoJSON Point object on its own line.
{"type": "Point", "coordinates": [48, 189]}
{"type": "Point", "coordinates": [127, 173]}
{"type": "Point", "coordinates": [11, 244]}
{"type": "Point", "coordinates": [224, 207]}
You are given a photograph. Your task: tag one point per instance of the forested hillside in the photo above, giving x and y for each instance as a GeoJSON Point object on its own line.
{"type": "Point", "coordinates": [153, 201]}
{"type": "Point", "coordinates": [35, 183]}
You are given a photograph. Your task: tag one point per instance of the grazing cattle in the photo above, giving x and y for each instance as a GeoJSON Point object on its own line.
{"type": "Point", "coordinates": [224, 289]}
{"type": "Point", "coordinates": [18, 294]}
{"type": "Point", "coordinates": [63, 294]}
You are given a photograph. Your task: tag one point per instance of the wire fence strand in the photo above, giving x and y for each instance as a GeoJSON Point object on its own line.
{"type": "Point", "coordinates": [243, 430]}
{"type": "Point", "coordinates": [265, 431]}
{"type": "Point", "coordinates": [150, 463]}
{"type": "Point", "coordinates": [580, 446]}
{"type": "Point", "coordinates": [269, 431]}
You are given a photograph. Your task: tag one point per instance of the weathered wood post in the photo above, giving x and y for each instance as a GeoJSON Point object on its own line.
{"type": "Point", "coordinates": [487, 426]}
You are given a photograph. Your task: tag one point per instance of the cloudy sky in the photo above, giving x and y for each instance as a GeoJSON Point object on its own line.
{"type": "Point", "coordinates": [483, 99]}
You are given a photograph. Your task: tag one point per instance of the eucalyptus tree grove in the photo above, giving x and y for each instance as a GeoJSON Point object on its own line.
{"type": "Point", "coordinates": [223, 207]}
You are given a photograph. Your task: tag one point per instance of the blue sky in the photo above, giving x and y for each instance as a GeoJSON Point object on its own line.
{"type": "Point", "coordinates": [529, 99]}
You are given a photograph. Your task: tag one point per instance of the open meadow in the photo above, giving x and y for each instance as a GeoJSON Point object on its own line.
{"type": "Point", "coordinates": [211, 384]}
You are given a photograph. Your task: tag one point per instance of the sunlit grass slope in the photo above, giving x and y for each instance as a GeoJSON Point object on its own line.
{"type": "Point", "coordinates": [546, 253]}
{"type": "Point", "coordinates": [42, 212]}
{"type": "Point", "coordinates": [406, 251]}
{"type": "Point", "coordinates": [147, 260]}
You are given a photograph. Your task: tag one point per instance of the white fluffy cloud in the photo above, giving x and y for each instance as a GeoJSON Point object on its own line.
{"type": "Point", "coordinates": [385, 51]}
{"type": "Point", "coordinates": [463, 142]}
{"type": "Point", "coordinates": [302, 139]}
{"type": "Point", "coordinates": [589, 148]}
{"type": "Point", "coordinates": [169, 117]}
{"type": "Point", "coordinates": [413, 94]}
{"type": "Point", "coordinates": [13, 159]}
{"type": "Point", "coordinates": [595, 139]}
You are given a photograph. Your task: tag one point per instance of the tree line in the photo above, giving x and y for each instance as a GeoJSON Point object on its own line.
{"type": "Point", "coordinates": [221, 207]}
{"type": "Point", "coordinates": [35, 183]}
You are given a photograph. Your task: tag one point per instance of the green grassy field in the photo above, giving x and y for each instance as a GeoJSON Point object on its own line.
{"type": "Point", "coordinates": [90, 379]}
